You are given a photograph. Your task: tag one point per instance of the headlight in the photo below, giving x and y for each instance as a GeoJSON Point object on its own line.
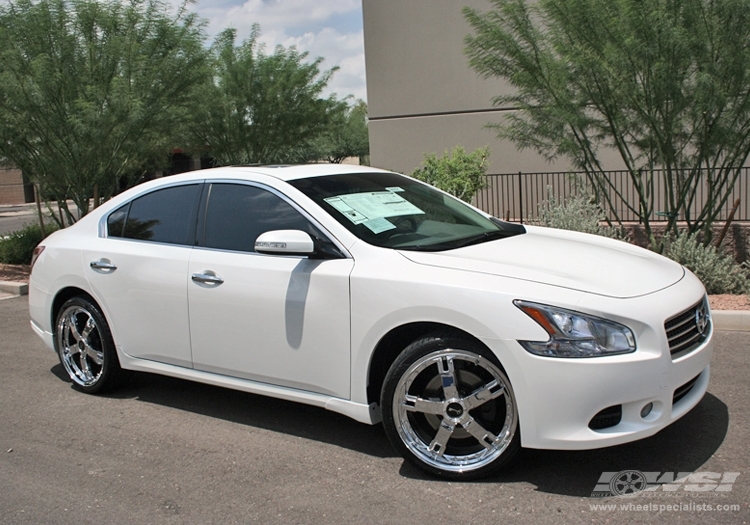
{"type": "Point", "coordinates": [573, 334]}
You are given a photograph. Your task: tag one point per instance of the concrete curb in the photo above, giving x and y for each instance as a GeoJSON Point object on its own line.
{"type": "Point", "coordinates": [14, 288]}
{"type": "Point", "coordinates": [731, 320]}
{"type": "Point", "coordinates": [724, 320]}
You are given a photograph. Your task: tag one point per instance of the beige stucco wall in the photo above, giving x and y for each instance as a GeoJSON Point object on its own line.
{"type": "Point", "coordinates": [422, 95]}
{"type": "Point", "coordinates": [11, 186]}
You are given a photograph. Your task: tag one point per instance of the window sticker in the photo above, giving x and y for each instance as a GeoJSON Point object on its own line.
{"type": "Point", "coordinates": [379, 225]}
{"type": "Point", "coordinates": [348, 212]}
{"type": "Point", "coordinates": [362, 207]}
{"type": "Point", "coordinates": [395, 189]}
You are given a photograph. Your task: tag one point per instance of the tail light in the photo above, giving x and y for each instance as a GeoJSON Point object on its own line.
{"type": "Point", "coordinates": [34, 256]}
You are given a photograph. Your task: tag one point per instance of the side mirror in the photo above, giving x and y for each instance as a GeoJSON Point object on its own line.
{"type": "Point", "coordinates": [285, 242]}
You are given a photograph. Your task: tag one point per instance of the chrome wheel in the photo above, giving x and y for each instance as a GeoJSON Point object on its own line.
{"type": "Point", "coordinates": [453, 410]}
{"type": "Point", "coordinates": [85, 347]}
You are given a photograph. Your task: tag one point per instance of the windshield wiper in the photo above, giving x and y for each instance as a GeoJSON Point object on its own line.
{"type": "Point", "coordinates": [457, 243]}
{"type": "Point", "coordinates": [478, 239]}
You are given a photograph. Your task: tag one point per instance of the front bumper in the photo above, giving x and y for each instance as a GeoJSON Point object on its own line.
{"type": "Point", "coordinates": [647, 390]}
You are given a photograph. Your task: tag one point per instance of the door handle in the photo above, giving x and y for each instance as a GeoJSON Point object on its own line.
{"type": "Point", "coordinates": [207, 277]}
{"type": "Point", "coordinates": [104, 265]}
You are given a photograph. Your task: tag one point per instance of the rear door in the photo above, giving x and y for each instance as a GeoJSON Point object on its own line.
{"type": "Point", "coordinates": [138, 273]}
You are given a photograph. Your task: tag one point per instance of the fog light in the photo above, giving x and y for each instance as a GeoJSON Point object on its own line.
{"type": "Point", "coordinates": [646, 410]}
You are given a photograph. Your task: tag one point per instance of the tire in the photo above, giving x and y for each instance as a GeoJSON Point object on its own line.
{"type": "Point", "coordinates": [449, 408]}
{"type": "Point", "coordinates": [85, 347]}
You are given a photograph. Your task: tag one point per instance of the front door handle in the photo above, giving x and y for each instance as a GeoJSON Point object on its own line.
{"type": "Point", "coordinates": [207, 277]}
{"type": "Point", "coordinates": [103, 265]}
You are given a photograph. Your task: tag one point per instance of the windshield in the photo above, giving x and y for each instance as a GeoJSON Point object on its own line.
{"type": "Point", "coordinates": [395, 211]}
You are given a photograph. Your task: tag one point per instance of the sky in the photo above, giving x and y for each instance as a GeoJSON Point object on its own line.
{"type": "Point", "coordinates": [331, 29]}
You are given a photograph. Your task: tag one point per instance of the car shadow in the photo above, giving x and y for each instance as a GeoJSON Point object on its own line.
{"type": "Point", "coordinates": [682, 447]}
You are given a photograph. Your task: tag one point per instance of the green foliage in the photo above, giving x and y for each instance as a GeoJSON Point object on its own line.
{"type": "Point", "coordinates": [661, 83]}
{"type": "Point", "coordinates": [459, 173]}
{"type": "Point", "coordinates": [259, 107]}
{"type": "Point", "coordinates": [19, 246]}
{"type": "Point", "coordinates": [346, 136]}
{"type": "Point", "coordinates": [718, 271]}
{"type": "Point", "coordinates": [92, 93]}
{"type": "Point", "coordinates": [577, 212]}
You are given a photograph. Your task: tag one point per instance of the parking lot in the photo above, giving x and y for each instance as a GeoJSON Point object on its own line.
{"type": "Point", "coordinates": [163, 450]}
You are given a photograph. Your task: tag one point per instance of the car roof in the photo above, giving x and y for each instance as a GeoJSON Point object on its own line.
{"type": "Point", "coordinates": [289, 172]}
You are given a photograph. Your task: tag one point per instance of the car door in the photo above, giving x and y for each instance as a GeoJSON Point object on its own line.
{"type": "Point", "coordinates": [138, 273]}
{"type": "Point", "coordinates": [276, 319]}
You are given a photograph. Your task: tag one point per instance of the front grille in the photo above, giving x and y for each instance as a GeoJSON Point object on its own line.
{"type": "Point", "coordinates": [686, 331]}
{"type": "Point", "coordinates": [684, 390]}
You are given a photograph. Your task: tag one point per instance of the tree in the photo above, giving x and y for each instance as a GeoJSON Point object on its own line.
{"type": "Point", "coordinates": [93, 92]}
{"type": "Point", "coordinates": [665, 84]}
{"type": "Point", "coordinates": [261, 108]}
{"type": "Point", "coordinates": [347, 135]}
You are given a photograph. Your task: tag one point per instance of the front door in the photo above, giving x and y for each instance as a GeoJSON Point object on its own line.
{"type": "Point", "coordinates": [273, 319]}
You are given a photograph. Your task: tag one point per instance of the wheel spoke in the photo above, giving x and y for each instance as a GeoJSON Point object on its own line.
{"type": "Point", "coordinates": [90, 325]}
{"type": "Point", "coordinates": [438, 444]}
{"type": "Point", "coordinates": [486, 393]}
{"type": "Point", "coordinates": [85, 368]}
{"type": "Point", "coordinates": [448, 378]}
{"type": "Point", "coordinates": [72, 350]}
{"type": "Point", "coordinates": [426, 406]}
{"type": "Point", "coordinates": [486, 439]}
{"type": "Point", "coordinates": [95, 355]}
{"type": "Point", "coordinates": [73, 328]}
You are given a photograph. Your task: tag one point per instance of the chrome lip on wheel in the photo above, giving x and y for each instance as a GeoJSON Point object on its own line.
{"type": "Point", "coordinates": [455, 410]}
{"type": "Point", "coordinates": [80, 346]}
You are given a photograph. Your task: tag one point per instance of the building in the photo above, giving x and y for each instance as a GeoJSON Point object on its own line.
{"type": "Point", "coordinates": [422, 96]}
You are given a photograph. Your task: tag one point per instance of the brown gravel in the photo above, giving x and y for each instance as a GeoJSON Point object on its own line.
{"type": "Point", "coordinates": [15, 272]}
{"type": "Point", "coordinates": [20, 273]}
{"type": "Point", "coordinates": [729, 302]}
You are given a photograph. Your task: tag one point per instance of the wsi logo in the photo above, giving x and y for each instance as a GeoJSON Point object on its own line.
{"type": "Point", "coordinates": [630, 482]}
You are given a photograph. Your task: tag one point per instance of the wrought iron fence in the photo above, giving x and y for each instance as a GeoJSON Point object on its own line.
{"type": "Point", "coordinates": [517, 196]}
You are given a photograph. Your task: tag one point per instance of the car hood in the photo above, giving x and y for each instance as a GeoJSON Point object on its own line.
{"type": "Point", "coordinates": [578, 261]}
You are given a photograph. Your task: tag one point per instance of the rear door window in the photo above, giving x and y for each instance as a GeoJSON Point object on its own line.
{"type": "Point", "coordinates": [167, 216]}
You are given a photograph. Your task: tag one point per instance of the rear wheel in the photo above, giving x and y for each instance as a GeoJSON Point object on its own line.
{"type": "Point", "coordinates": [449, 408]}
{"type": "Point", "coordinates": [85, 346]}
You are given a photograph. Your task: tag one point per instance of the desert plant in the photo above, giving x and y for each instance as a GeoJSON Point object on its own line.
{"type": "Point", "coordinates": [459, 173]}
{"type": "Point", "coordinates": [18, 247]}
{"type": "Point", "coordinates": [578, 212]}
{"type": "Point", "coordinates": [718, 271]}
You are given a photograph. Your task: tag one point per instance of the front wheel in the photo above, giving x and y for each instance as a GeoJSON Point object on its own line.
{"type": "Point", "coordinates": [450, 409]}
{"type": "Point", "coordinates": [85, 346]}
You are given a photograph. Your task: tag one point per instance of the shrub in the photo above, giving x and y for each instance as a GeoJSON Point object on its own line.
{"type": "Point", "coordinates": [19, 246]}
{"type": "Point", "coordinates": [459, 173]}
{"type": "Point", "coordinates": [718, 271]}
{"type": "Point", "coordinates": [577, 213]}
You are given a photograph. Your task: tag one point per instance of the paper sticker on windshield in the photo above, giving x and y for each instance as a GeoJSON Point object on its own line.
{"type": "Point", "coordinates": [348, 212]}
{"type": "Point", "coordinates": [361, 207]}
{"type": "Point", "coordinates": [395, 189]}
{"type": "Point", "coordinates": [379, 225]}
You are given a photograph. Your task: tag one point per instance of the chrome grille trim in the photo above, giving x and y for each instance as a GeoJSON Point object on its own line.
{"type": "Point", "coordinates": [687, 330]}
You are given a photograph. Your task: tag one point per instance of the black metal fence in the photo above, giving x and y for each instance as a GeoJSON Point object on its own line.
{"type": "Point", "coordinates": [518, 196]}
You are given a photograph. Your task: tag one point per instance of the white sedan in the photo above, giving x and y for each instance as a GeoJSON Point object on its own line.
{"type": "Point", "coordinates": [379, 297]}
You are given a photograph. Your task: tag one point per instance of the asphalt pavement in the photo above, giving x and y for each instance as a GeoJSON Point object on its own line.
{"type": "Point", "coordinates": [162, 450]}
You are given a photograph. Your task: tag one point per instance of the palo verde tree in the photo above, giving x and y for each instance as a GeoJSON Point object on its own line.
{"type": "Point", "coordinates": [259, 107]}
{"type": "Point", "coordinates": [346, 135]}
{"type": "Point", "coordinates": [93, 92]}
{"type": "Point", "coordinates": [665, 84]}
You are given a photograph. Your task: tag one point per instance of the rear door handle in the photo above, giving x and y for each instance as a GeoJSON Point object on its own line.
{"type": "Point", "coordinates": [207, 277]}
{"type": "Point", "coordinates": [103, 265]}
